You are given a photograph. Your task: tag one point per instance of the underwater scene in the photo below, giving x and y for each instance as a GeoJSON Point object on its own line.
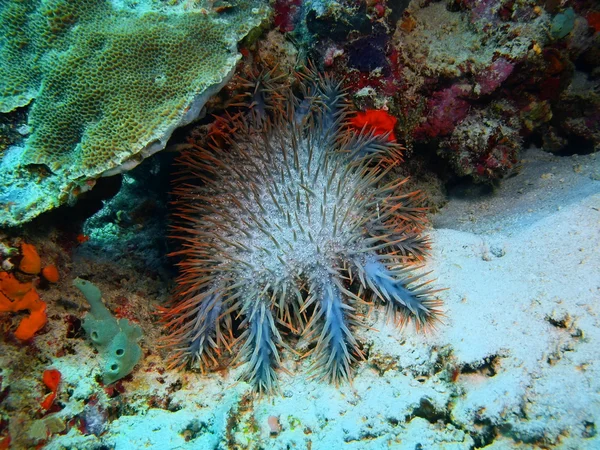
{"type": "Point", "coordinates": [300, 224]}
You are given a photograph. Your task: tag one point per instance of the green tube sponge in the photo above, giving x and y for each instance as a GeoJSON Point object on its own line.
{"type": "Point", "coordinates": [115, 340]}
{"type": "Point", "coordinates": [562, 24]}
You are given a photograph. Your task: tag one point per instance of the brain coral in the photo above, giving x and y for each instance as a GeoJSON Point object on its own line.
{"type": "Point", "coordinates": [292, 228]}
{"type": "Point", "coordinates": [109, 85]}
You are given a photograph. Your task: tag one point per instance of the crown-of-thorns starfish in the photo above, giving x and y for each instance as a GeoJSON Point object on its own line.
{"type": "Point", "coordinates": [292, 225]}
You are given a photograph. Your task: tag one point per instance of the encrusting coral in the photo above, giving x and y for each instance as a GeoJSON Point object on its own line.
{"type": "Point", "coordinates": [110, 83]}
{"type": "Point", "coordinates": [293, 225]}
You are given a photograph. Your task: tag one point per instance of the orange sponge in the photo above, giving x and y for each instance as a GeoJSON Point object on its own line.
{"type": "Point", "coordinates": [31, 262]}
{"type": "Point", "coordinates": [5, 303]}
{"type": "Point", "coordinates": [51, 379]}
{"type": "Point", "coordinates": [13, 288]}
{"type": "Point", "coordinates": [375, 120]}
{"type": "Point", "coordinates": [50, 273]}
{"type": "Point", "coordinates": [16, 296]}
{"type": "Point", "coordinates": [36, 319]}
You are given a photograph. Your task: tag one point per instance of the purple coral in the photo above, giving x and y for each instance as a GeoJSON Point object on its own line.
{"type": "Point", "coordinates": [489, 79]}
{"type": "Point", "coordinates": [485, 144]}
{"type": "Point", "coordinates": [293, 228]}
{"type": "Point", "coordinates": [446, 108]}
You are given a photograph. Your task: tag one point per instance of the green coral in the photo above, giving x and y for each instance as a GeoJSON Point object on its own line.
{"type": "Point", "coordinates": [110, 85]}
{"type": "Point", "coordinates": [116, 341]}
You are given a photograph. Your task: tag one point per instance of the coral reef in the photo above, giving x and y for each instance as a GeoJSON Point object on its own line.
{"type": "Point", "coordinates": [296, 224]}
{"type": "Point", "coordinates": [293, 229]}
{"type": "Point", "coordinates": [432, 65]}
{"type": "Point", "coordinates": [467, 42]}
{"type": "Point", "coordinates": [488, 53]}
{"type": "Point", "coordinates": [110, 85]}
{"type": "Point", "coordinates": [579, 115]}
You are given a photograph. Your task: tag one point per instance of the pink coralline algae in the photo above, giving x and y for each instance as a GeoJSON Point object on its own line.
{"type": "Point", "coordinates": [484, 145]}
{"type": "Point", "coordinates": [286, 14]}
{"type": "Point", "coordinates": [491, 78]}
{"type": "Point", "coordinates": [446, 108]}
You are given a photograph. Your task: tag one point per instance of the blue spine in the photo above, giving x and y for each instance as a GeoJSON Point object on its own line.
{"type": "Point", "coordinates": [260, 349]}
{"type": "Point", "coordinates": [205, 333]}
{"type": "Point", "coordinates": [336, 345]}
{"type": "Point", "coordinates": [397, 290]}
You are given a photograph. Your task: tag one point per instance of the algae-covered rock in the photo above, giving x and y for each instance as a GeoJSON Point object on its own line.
{"type": "Point", "coordinates": [106, 86]}
{"type": "Point", "coordinates": [115, 340]}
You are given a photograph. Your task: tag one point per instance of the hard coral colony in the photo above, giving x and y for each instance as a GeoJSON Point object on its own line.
{"type": "Point", "coordinates": [292, 227]}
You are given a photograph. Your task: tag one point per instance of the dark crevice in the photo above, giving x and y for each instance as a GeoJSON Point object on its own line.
{"type": "Point", "coordinates": [426, 410]}
{"type": "Point", "coordinates": [487, 368]}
